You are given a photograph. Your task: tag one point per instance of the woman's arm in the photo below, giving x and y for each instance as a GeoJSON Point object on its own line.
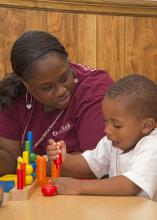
{"type": "Point", "coordinates": [9, 151]}
{"type": "Point", "coordinates": [1, 195]}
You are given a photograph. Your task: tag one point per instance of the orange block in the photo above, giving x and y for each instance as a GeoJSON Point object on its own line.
{"type": "Point", "coordinates": [41, 171]}
{"type": "Point", "coordinates": [55, 171]}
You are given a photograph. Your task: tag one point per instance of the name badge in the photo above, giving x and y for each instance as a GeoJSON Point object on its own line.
{"type": "Point", "coordinates": [63, 129]}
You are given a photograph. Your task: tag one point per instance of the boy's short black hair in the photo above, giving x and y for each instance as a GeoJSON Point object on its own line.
{"type": "Point", "coordinates": [138, 92]}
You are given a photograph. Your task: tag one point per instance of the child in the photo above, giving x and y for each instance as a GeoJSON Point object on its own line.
{"type": "Point", "coordinates": [128, 152]}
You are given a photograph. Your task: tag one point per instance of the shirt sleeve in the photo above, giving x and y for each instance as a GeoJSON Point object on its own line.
{"type": "Point", "coordinates": [99, 158]}
{"type": "Point", "coordinates": [9, 125]}
{"type": "Point", "coordinates": [143, 171]}
{"type": "Point", "coordinates": [88, 114]}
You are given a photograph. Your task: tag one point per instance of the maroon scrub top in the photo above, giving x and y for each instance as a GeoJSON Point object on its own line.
{"type": "Point", "coordinates": [81, 125]}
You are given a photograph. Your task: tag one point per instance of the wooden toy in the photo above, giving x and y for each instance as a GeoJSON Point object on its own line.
{"type": "Point", "coordinates": [30, 139]}
{"type": "Point", "coordinates": [9, 177]}
{"type": "Point", "coordinates": [30, 164]}
{"type": "Point", "coordinates": [41, 171]}
{"type": "Point", "coordinates": [49, 190]}
{"type": "Point", "coordinates": [24, 194]}
{"type": "Point", "coordinates": [7, 185]}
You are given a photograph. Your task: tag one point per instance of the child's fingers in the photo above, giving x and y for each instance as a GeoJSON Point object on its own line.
{"type": "Point", "coordinates": [61, 144]}
{"type": "Point", "coordinates": [56, 150]}
{"type": "Point", "coordinates": [51, 141]}
{"type": "Point", "coordinates": [53, 146]}
{"type": "Point", "coordinates": [52, 152]}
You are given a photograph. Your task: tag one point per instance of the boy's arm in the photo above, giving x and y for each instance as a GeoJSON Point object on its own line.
{"type": "Point", "coordinates": [114, 186]}
{"type": "Point", "coordinates": [76, 166]}
{"type": "Point", "coordinates": [73, 165]}
{"type": "Point", "coordinates": [117, 185]}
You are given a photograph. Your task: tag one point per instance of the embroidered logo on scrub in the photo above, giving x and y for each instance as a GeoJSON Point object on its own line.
{"type": "Point", "coordinates": [63, 129]}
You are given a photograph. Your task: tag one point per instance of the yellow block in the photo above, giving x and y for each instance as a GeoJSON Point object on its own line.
{"type": "Point", "coordinates": [29, 179]}
{"type": "Point", "coordinates": [26, 157]}
{"type": "Point", "coordinates": [9, 177]}
{"type": "Point", "coordinates": [19, 161]}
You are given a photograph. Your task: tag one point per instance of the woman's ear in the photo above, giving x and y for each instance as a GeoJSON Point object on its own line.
{"type": "Point", "coordinates": [148, 125]}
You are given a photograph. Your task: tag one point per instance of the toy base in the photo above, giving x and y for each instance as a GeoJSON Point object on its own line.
{"type": "Point", "coordinates": [24, 194]}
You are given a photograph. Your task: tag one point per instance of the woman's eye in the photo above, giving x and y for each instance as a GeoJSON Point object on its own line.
{"type": "Point", "coordinates": [64, 78]}
{"type": "Point", "coordinates": [47, 88]}
{"type": "Point", "coordinates": [117, 126]}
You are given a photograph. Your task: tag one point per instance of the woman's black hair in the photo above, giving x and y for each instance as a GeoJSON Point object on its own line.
{"type": "Point", "coordinates": [29, 47]}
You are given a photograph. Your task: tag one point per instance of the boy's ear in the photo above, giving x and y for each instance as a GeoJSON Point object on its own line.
{"type": "Point", "coordinates": [148, 125]}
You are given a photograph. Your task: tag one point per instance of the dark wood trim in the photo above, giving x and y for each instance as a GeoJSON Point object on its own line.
{"type": "Point", "coordinates": [119, 7]}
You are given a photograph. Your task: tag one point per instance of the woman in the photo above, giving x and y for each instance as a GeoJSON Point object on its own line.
{"type": "Point", "coordinates": [51, 96]}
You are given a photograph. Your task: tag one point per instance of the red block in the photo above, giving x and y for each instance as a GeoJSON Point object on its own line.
{"type": "Point", "coordinates": [49, 190]}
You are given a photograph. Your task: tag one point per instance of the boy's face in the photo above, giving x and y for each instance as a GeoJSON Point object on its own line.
{"type": "Point", "coordinates": [121, 127]}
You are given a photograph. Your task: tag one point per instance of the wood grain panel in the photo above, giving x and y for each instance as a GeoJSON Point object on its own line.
{"type": "Point", "coordinates": [36, 20]}
{"type": "Point", "coordinates": [12, 23]}
{"type": "Point", "coordinates": [120, 44]}
{"type": "Point", "coordinates": [64, 27]}
{"type": "Point", "coordinates": [87, 40]}
{"type": "Point", "coordinates": [141, 46]}
{"type": "Point", "coordinates": [3, 12]}
{"type": "Point", "coordinates": [110, 44]}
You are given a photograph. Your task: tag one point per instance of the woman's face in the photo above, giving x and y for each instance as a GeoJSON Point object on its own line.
{"type": "Point", "coordinates": [52, 83]}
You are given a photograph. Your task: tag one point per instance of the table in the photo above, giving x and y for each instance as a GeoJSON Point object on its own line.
{"type": "Point", "coordinates": [60, 207]}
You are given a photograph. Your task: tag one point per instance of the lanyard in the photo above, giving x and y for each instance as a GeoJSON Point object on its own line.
{"type": "Point", "coordinates": [46, 132]}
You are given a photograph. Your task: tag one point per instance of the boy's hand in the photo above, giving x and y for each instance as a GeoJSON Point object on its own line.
{"type": "Point", "coordinates": [54, 149]}
{"type": "Point", "coordinates": [67, 186]}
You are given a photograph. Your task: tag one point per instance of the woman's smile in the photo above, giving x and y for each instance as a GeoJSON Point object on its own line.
{"type": "Point", "coordinates": [64, 100]}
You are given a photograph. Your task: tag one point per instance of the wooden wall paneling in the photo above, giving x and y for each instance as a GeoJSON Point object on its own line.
{"type": "Point", "coordinates": [36, 20]}
{"type": "Point", "coordinates": [110, 44]}
{"type": "Point", "coordinates": [141, 46]}
{"type": "Point", "coordinates": [119, 44]}
{"type": "Point", "coordinates": [3, 12]}
{"type": "Point", "coordinates": [12, 25]}
{"type": "Point", "coordinates": [64, 27]}
{"type": "Point", "coordinates": [87, 39]}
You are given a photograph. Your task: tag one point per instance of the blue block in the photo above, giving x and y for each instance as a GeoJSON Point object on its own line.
{"type": "Point", "coordinates": [7, 185]}
{"type": "Point", "coordinates": [30, 138]}
{"type": "Point", "coordinates": [33, 175]}
{"type": "Point", "coordinates": [34, 166]}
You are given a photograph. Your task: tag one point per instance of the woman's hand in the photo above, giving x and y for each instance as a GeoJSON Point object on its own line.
{"type": "Point", "coordinates": [54, 149]}
{"type": "Point", "coordinates": [67, 186]}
